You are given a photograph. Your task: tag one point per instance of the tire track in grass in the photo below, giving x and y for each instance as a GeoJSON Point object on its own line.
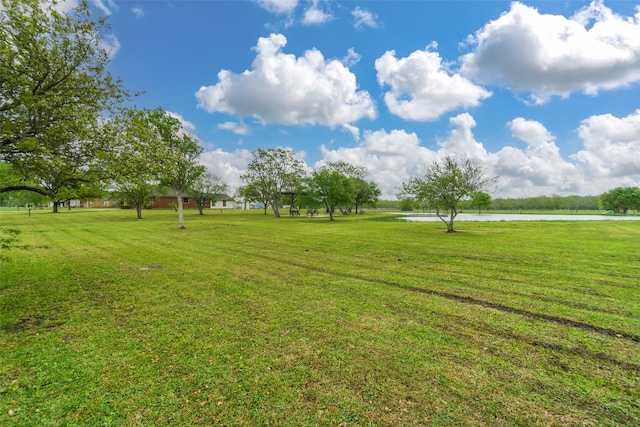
{"type": "Point", "coordinates": [560, 301]}
{"type": "Point", "coordinates": [576, 351]}
{"type": "Point", "coordinates": [500, 270]}
{"type": "Point", "coordinates": [460, 298]}
{"type": "Point", "coordinates": [565, 302]}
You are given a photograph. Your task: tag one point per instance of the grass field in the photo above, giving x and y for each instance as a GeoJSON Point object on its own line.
{"type": "Point", "coordinates": [247, 320]}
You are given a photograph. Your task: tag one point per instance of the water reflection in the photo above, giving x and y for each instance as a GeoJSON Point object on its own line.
{"type": "Point", "coordinates": [487, 217]}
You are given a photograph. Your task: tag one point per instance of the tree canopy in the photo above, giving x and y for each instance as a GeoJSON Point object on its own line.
{"type": "Point", "coordinates": [338, 185]}
{"type": "Point", "coordinates": [327, 187]}
{"type": "Point", "coordinates": [54, 90]}
{"type": "Point", "coordinates": [621, 199]}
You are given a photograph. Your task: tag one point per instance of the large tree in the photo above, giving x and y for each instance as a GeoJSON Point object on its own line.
{"type": "Point", "coordinates": [621, 199]}
{"type": "Point", "coordinates": [54, 89]}
{"type": "Point", "coordinates": [180, 153]}
{"type": "Point", "coordinates": [446, 183]}
{"type": "Point", "coordinates": [271, 173]}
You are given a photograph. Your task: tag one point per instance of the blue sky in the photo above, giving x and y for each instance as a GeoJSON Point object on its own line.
{"type": "Point", "coordinates": [545, 93]}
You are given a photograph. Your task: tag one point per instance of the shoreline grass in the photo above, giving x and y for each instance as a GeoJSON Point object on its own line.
{"type": "Point", "coordinates": [245, 319]}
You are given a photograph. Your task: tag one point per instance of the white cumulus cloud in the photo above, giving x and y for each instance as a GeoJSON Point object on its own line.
{"type": "Point", "coordinates": [110, 44]}
{"type": "Point", "coordinates": [390, 158]}
{"type": "Point", "coordinates": [550, 55]}
{"type": "Point", "coordinates": [610, 157]}
{"type": "Point", "coordinates": [227, 165]}
{"type": "Point", "coordinates": [539, 169]}
{"type": "Point", "coordinates": [611, 147]}
{"type": "Point", "coordinates": [461, 140]}
{"type": "Point", "coordinates": [187, 127]}
{"type": "Point", "coordinates": [422, 86]}
{"type": "Point", "coordinates": [283, 88]}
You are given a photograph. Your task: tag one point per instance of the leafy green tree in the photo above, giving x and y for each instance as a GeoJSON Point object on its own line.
{"type": "Point", "coordinates": [135, 158]}
{"type": "Point", "coordinates": [365, 193]}
{"type": "Point", "coordinates": [62, 179]}
{"type": "Point", "coordinates": [621, 199]}
{"type": "Point", "coordinates": [446, 183]}
{"type": "Point", "coordinates": [54, 91]}
{"type": "Point", "coordinates": [180, 152]}
{"type": "Point", "coordinates": [406, 204]}
{"type": "Point", "coordinates": [329, 187]}
{"type": "Point", "coordinates": [251, 193]}
{"type": "Point", "coordinates": [272, 172]}
{"type": "Point", "coordinates": [207, 188]}
{"type": "Point", "coordinates": [241, 194]}
{"type": "Point", "coordinates": [480, 199]}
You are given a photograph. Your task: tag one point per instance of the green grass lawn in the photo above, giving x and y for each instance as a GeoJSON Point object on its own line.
{"type": "Point", "coordinates": [243, 319]}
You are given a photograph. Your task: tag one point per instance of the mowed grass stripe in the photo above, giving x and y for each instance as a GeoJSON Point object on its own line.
{"type": "Point", "coordinates": [232, 321]}
{"type": "Point", "coordinates": [481, 284]}
{"type": "Point", "coordinates": [615, 334]}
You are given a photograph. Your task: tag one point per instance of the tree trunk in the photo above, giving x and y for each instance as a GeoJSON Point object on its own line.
{"type": "Point", "coordinates": [200, 207]}
{"type": "Point", "coordinates": [452, 215]}
{"type": "Point", "coordinates": [180, 213]}
{"type": "Point", "coordinates": [139, 211]}
{"type": "Point", "coordinates": [55, 207]}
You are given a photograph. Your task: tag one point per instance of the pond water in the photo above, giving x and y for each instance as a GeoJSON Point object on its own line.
{"type": "Point", "coordinates": [520, 217]}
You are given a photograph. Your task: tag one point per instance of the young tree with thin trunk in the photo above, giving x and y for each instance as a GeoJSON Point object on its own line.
{"type": "Point", "coordinates": [180, 152]}
{"type": "Point", "coordinates": [365, 194]}
{"type": "Point", "coordinates": [480, 199]}
{"type": "Point", "coordinates": [207, 189]}
{"type": "Point", "coordinates": [446, 183]}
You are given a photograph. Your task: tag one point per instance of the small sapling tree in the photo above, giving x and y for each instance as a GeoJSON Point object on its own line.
{"type": "Point", "coordinates": [446, 183]}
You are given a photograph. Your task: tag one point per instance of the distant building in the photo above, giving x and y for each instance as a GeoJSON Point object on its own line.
{"type": "Point", "coordinates": [223, 201]}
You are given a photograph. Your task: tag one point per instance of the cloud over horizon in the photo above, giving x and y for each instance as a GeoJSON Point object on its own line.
{"type": "Point", "coordinates": [550, 55]}
{"type": "Point", "coordinates": [422, 86]}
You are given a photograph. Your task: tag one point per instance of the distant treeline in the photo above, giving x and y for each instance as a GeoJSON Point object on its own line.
{"type": "Point", "coordinates": [555, 202]}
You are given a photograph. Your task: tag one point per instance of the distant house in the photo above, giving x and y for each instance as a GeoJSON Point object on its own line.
{"type": "Point", "coordinates": [101, 203]}
{"type": "Point", "coordinates": [223, 201]}
{"type": "Point", "coordinates": [97, 203]}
